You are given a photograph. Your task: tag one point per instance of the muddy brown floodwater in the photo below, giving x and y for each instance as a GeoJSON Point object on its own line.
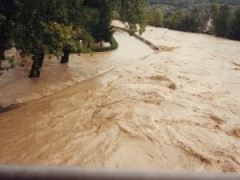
{"type": "Point", "coordinates": [177, 109]}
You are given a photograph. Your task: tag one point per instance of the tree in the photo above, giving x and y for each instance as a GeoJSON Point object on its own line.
{"type": "Point", "coordinates": [214, 10]}
{"type": "Point", "coordinates": [37, 27]}
{"type": "Point", "coordinates": [150, 17]}
{"type": "Point", "coordinates": [193, 22]}
{"type": "Point", "coordinates": [177, 20]}
{"type": "Point", "coordinates": [8, 14]}
{"type": "Point", "coordinates": [42, 29]}
{"type": "Point", "coordinates": [133, 12]}
{"type": "Point", "coordinates": [101, 31]}
{"type": "Point", "coordinates": [167, 20]}
{"type": "Point", "coordinates": [235, 26]}
{"type": "Point", "coordinates": [221, 19]}
{"type": "Point", "coordinates": [156, 17]}
{"type": "Point", "coordinates": [74, 15]}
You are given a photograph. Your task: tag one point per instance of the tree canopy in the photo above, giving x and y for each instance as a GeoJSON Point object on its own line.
{"type": "Point", "coordinates": [37, 27]}
{"type": "Point", "coordinates": [235, 26]}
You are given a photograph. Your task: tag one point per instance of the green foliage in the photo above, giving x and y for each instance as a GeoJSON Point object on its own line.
{"type": "Point", "coordinates": [134, 12]}
{"type": "Point", "coordinates": [155, 17]}
{"type": "Point", "coordinates": [177, 20]}
{"type": "Point", "coordinates": [225, 22]}
{"type": "Point", "coordinates": [70, 46]}
{"type": "Point", "coordinates": [214, 10]}
{"type": "Point", "coordinates": [115, 15]}
{"type": "Point", "coordinates": [8, 24]}
{"type": "Point", "coordinates": [193, 15]}
{"type": "Point", "coordinates": [42, 27]}
{"type": "Point", "coordinates": [101, 29]}
{"type": "Point", "coordinates": [57, 37]}
{"type": "Point", "coordinates": [76, 48]}
{"type": "Point", "coordinates": [188, 3]}
{"type": "Point", "coordinates": [113, 46]}
{"type": "Point", "coordinates": [221, 15]}
{"type": "Point", "coordinates": [37, 27]}
{"type": "Point", "coordinates": [235, 26]}
{"type": "Point", "coordinates": [193, 22]}
{"type": "Point", "coordinates": [178, 17]}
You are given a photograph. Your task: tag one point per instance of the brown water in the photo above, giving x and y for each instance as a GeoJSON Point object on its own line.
{"type": "Point", "coordinates": [129, 108]}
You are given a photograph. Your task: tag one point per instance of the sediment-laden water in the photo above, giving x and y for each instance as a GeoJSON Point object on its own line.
{"type": "Point", "coordinates": [177, 109]}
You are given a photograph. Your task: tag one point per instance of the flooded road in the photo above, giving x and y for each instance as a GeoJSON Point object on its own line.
{"type": "Point", "coordinates": [177, 109]}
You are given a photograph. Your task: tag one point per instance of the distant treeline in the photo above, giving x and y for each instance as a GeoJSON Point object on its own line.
{"type": "Point", "coordinates": [186, 15]}
{"type": "Point", "coordinates": [187, 3]}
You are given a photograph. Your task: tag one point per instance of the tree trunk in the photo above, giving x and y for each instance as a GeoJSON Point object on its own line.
{"type": "Point", "coordinates": [65, 57]}
{"type": "Point", "coordinates": [37, 65]}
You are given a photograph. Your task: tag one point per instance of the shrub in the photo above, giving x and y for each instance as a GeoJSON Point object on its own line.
{"type": "Point", "coordinates": [78, 49]}
{"type": "Point", "coordinates": [113, 43]}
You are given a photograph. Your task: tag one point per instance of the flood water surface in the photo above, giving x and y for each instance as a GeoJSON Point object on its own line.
{"type": "Point", "coordinates": [177, 109]}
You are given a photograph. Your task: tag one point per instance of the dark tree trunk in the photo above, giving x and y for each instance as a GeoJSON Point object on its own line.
{"type": "Point", "coordinates": [37, 65]}
{"type": "Point", "coordinates": [65, 57]}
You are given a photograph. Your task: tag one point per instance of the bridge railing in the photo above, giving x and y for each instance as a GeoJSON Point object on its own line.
{"type": "Point", "coordinates": [13, 172]}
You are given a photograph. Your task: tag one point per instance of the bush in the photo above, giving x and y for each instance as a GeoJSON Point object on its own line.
{"type": "Point", "coordinates": [78, 49]}
{"type": "Point", "coordinates": [113, 43]}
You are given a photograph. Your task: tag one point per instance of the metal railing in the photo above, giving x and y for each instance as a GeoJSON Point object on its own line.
{"type": "Point", "coordinates": [13, 172]}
